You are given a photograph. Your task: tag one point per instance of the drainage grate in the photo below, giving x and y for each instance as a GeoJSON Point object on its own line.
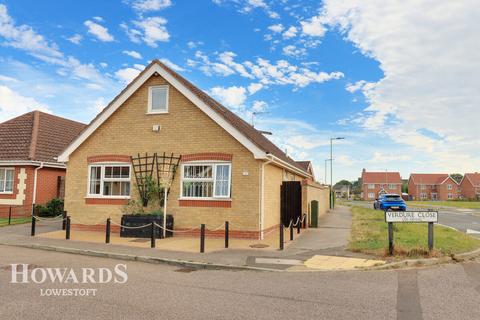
{"type": "Point", "coordinates": [259, 246]}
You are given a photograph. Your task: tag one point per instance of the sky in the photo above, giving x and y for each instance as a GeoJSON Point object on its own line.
{"type": "Point", "coordinates": [398, 79]}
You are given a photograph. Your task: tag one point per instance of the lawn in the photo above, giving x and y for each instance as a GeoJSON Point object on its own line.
{"type": "Point", "coordinates": [454, 204]}
{"type": "Point", "coordinates": [4, 221]}
{"type": "Point", "coordinates": [369, 235]}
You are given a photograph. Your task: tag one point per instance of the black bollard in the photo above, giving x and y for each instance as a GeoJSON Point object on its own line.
{"type": "Point", "coordinates": [299, 225]}
{"type": "Point", "coordinates": [152, 236]}
{"type": "Point", "coordinates": [107, 235]}
{"type": "Point", "coordinates": [9, 215]}
{"type": "Point", "coordinates": [33, 226]}
{"type": "Point", "coordinates": [67, 229]}
{"type": "Point", "coordinates": [390, 238]}
{"type": "Point", "coordinates": [291, 231]}
{"type": "Point", "coordinates": [202, 238]}
{"type": "Point", "coordinates": [430, 236]}
{"type": "Point", "coordinates": [281, 236]}
{"type": "Point", "coordinates": [226, 234]}
{"type": "Point", "coordinates": [64, 221]}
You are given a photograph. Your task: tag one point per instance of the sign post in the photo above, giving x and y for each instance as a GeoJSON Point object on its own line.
{"type": "Point", "coordinates": [410, 216]}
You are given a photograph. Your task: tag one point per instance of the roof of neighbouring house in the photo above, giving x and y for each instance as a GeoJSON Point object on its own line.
{"type": "Point", "coordinates": [381, 177]}
{"type": "Point", "coordinates": [429, 178]}
{"type": "Point", "coordinates": [474, 178]}
{"type": "Point", "coordinates": [247, 130]}
{"type": "Point", "coordinates": [36, 136]}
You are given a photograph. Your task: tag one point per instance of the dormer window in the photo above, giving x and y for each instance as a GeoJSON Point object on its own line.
{"type": "Point", "coordinates": [158, 99]}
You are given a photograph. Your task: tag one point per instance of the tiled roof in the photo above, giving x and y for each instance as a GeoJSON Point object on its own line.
{"type": "Point", "coordinates": [428, 178]}
{"type": "Point", "coordinates": [246, 129]}
{"type": "Point", "coordinates": [36, 136]}
{"type": "Point", "coordinates": [474, 178]}
{"type": "Point", "coordinates": [303, 164]}
{"type": "Point", "coordinates": [381, 177]}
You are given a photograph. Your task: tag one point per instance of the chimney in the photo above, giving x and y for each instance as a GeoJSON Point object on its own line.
{"type": "Point", "coordinates": [363, 171]}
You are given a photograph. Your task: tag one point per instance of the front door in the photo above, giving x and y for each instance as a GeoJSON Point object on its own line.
{"type": "Point", "coordinates": [434, 196]}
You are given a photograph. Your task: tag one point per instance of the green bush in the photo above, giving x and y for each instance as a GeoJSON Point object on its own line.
{"type": "Point", "coordinates": [53, 208]}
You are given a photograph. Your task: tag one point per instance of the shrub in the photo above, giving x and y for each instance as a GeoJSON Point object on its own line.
{"type": "Point", "coordinates": [53, 208]}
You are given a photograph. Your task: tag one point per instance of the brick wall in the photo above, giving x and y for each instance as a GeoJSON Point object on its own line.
{"type": "Point", "coordinates": [47, 184]}
{"type": "Point", "coordinates": [313, 191]}
{"type": "Point", "coordinates": [184, 130]}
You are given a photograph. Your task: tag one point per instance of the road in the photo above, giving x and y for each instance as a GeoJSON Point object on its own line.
{"type": "Point", "coordinates": [464, 220]}
{"type": "Point", "coordinates": [160, 291]}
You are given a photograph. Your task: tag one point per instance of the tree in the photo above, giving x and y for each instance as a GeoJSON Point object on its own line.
{"type": "Point", "coordinates": [342, 183]}
{"type": "Point", "coordinates": [457, 177]}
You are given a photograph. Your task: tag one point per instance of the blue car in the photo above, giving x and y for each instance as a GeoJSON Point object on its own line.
{"type": "Point", "coordinates": [390, 202]}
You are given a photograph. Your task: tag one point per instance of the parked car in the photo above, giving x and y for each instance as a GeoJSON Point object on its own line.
{"type": "Point", "coordinates": [390, 201]}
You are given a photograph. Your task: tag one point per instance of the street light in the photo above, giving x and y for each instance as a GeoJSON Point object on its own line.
{"type": "Point", "coordinates": [332, 205]}
{"type": "Point", "coordinates": [326, 160]}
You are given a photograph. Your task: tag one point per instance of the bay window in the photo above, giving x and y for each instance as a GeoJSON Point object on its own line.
{"type": "Point", "coordinates": [6, 180]}
{"type": "Point", "coordinates": [206, 180]}
{"type": "Point", "coordinates": [109, 180]}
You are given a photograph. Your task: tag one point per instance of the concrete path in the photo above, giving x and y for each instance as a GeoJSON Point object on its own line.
{"type": "Point", "coordinates": [330, 239]}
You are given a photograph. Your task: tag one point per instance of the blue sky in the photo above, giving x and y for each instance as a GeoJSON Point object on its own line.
{"type": "Point", "coordinates": [365, 70]}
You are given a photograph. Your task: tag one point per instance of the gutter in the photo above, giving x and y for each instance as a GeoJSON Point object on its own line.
{"type": "Point", "coordinates": [32, 163]}
{"type": "Point", "coordinates": [34, 198]}
{"type": "Point", "coordinates": [284, 164]}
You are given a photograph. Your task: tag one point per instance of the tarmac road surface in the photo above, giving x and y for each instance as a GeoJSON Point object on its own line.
{"type": "Point", "coordinates": [166, 292]}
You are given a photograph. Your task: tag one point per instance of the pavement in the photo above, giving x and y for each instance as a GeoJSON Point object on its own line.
{"type": "Point", "coordinates": [450, 291]}
{"type": "Point", "coordinates": [311, 249]}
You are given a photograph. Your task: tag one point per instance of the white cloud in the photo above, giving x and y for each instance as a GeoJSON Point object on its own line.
{"type": "Point", "coordinates": [247, 6]}
{"type": "Point", "coordinates": [233, 97]}
{"type": "Point", "coordinates": [281, 72]}
{"type": "Point", "coordinates": [194, 44]}
{"type": "Point", "coordinates": [277, 28]}
{"type": "Point", "coordinates": [259, 106]}
{"type": "Point", "coordinates": [7, 79]}
{"type": "Point", "coordinates": [76, 39]}
{"type": "Point", "coordinates": [99, 31]}
{"type": "Point", "coordinates": [133, 54]}
{"type": "Point", "coordinates": [290, 33]}
{"type": "Point", "coordinates": [381, 157]}
{"type": "Point", "coordinates": [99, 19]}
{"type": "Point", "coordinates": [25, 38]}
{"type": "Point", "coordinates": [254, 87]}
{"type": "Point", "coordinates": [172, 65]}
{"type": "Point", "coordinates": [98, 105]}
{"type": "Point", "coordinates": [103, 64]}
{"type": "Point", "coordinates": [151, 5]}
{"type": "Point", "coordinates": [293, 51]}
{"type": "Point", "coordinates": [149, 30]}
{"type": "Point", "coordinates": [126, 75]}
{"type": "Point", "coordinates": [13, 104]}
{"type": "Point", "coordinates": [354, 87]}
{"type": "Point", "coordinates": [314, 27]}
{"type": "Point", "coordinates": [430, 81]}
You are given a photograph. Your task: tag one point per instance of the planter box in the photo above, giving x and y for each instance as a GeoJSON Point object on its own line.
{"type": "Point", "coordinates": [136, 220]}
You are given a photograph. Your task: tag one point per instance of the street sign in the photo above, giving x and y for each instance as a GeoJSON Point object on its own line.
{"type": "Point", "coordinates": [411, 216]}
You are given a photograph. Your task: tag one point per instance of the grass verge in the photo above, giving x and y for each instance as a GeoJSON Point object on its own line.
{"type": "Point", "coordinates": [370, 235]}
{"type": "Point", "coordinates": [4, 221]}
{"type": "Point", "coordinates": [453, 204]}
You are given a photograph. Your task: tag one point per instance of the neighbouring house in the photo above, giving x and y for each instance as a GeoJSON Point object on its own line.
{"type": "Point", "coordinates": [29, 171]}
{"type": "Point", "coordinates": [470, 186]}
{"type": "Point", "coordinates": [375, 184]}
{"type": "Point", "coordinates": [433, 186]}
{"type": "Point", "coordinates": [228, 170]}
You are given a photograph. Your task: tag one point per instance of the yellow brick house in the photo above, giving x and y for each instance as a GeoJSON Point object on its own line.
{"type": "Point", "coordinates": [237, 171]}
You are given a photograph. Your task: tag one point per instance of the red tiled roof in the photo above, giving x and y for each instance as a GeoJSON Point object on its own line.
{"type": "Point", "coordinates": [474, 178]}
{"type": "Point", "coordinates": [36, 136]}
{"type": "Point", "coordinates": [304, 164]}
{"type": "Point", "coordinates": [428, 178]}
{"type": "Point", "coordinates": [245, 128]}
{"type": "Point", "coordinates": [381, 177]}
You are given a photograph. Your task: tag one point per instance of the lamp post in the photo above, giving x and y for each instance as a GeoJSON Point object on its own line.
{"type": "Point", "coordinates": [332, 204]}
{"type": "Point", "coordinates": [326, 160]}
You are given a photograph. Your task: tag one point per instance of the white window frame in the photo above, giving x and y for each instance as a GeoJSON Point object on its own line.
{"type": "Point", "coordinates": [5, 180]}
{"type": "Point", "coordinates": [150, 100]}
{"type": "Point", "coordinates": [102, 166]}
{"type": "Point", "coordinates": [450, 196]}
{"type": "Point", "coordinates": [371, 195]}
{"type": "Point", "coordinates": [449, 187]}
{"type": "Point", "coordinates": [423, 187]}
{"type": "Point", "coordinates": [371, 186]}
{"type": "Point", "coordinates": [214, 175]}
{"type": "Point", "coordinates": [392, 186]}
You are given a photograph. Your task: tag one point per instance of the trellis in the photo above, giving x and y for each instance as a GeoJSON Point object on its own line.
{"type": "Point", "coordinates": [165, 167]}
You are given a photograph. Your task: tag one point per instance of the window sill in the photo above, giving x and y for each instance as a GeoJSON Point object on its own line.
{"type": "Point", "coordinates": [7, 192]}
{"type": "Point", "coordinates": [208, 202]}
{"type": "Point", "coordinates": [156, 112]}
{"type": "Point", "coordinates": [107, 201]}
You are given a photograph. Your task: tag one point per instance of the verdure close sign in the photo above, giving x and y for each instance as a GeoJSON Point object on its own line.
{"type": "Point", "coordinates": [411, 216]}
